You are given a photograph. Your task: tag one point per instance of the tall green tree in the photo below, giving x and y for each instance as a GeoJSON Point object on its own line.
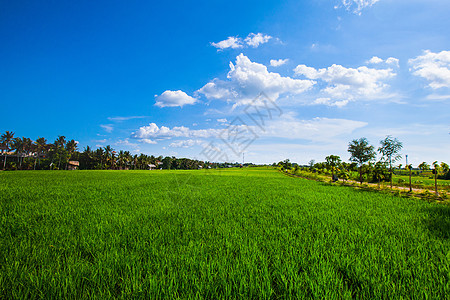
{"type": "Point", "coordinates": [7, 140]}
{"type": "Point", "coordinates": [41, 147]}
{"type": "Point", "coordinates": [332, 161]}
{"type": "Point", "coordinates": [361, 152]}
{"type": "Point", "coordinates": [390, 150]}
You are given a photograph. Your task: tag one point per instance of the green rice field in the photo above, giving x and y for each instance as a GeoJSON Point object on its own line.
{"type": "Point", "coordinates": [214, 234]}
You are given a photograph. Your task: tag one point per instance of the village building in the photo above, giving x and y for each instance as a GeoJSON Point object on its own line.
{"type": "Point", "coordinates": [73, 165]}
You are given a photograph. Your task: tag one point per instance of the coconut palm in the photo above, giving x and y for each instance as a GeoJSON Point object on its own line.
{"type": "Point", "coordinates": [108, 154]}
{"type": "Point", "coordinates": [7, 140]}
{"type": "Point", "coordinates": [41, 147]}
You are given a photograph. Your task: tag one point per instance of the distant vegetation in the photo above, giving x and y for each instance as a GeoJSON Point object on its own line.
{"type": "Point", "coordinates": [364, 167]}
{"type": "Point", "coordinates": [25, 154]}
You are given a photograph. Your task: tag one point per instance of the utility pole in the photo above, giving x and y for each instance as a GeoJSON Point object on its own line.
{"type": "Point", "coordinates": [406, 159]}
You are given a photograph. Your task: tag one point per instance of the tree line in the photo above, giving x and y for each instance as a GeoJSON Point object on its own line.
{"type": "Point", "coordinates": [26, 154]}
{"type": "Point", "coordinates": [363, 163]}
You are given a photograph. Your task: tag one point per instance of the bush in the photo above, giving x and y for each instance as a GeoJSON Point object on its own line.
{"type": "Point", "coordinates": [400, 180]}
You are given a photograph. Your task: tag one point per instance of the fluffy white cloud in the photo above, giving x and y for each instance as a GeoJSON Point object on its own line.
{"type": "Point", "coordinates": [278, 62]}
{"type": "Point", "coordinates": [357, 5]}
{"type": "Point", "coordinates": [434, 67]}
{"type": "Point", "coordinates": [390, 61]}
{"type": "Point", "coordinates": [247, 79]}
{"type": "Point", "coordinates": [255, 40]}
{"type": "Point", "coordinates": [346, 84]}
{"type": "Point", "coordinates": [234, 42]}
{"type": "Point", "coordinates": [174, 98]}
{"type": "Point", "coordinates": [153, 131]}
{"type": "Point", "coordinates": [231, 42]}
{"type": "Point", "coordinates": [224, 120]}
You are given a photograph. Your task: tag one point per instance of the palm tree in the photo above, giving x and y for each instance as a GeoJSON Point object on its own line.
{"type": "Point", "coordinates": [7, 139]}
{"type": "Point", "coordinates": [128, 158]}
{"type": "Point", "coordinates": [108, 153]}
{"type": "Point", "coordinates": [60, 143]}
{"type": "Point", "coordinates": [121, 158]}
{"type": "Point", "coordinates": [19, 146]}
{"type": "Point", "coordinates": [41, 146]}
{"type": "Point", "coordinates": [99, 156]}
{"type": "Point", "coordinates": [424, 166]}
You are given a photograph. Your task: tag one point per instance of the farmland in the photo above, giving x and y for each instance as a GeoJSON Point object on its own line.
{"type": "Point", "coordinates": [234, 233]}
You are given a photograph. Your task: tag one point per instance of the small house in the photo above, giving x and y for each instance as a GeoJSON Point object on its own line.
{"type": "Point", "coordinates": [151, 167]}
{"type": "Point", "coordinates": [73, 165]}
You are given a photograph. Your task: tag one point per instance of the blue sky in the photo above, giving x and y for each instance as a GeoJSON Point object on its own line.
{"type": "Point", "coordinates": [176, 78]}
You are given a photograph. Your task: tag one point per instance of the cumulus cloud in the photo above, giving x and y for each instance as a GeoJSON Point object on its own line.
{"type": "Point", "coordinates": [231, 42]}
{"type": "Point", "coordinates": [356, 6]}
{"type": "Point", "coordinates": [174, 98]}
{"type": "Point", "coordinates": [254, 40]}
{"type": "Point", "coordinates": [224, 120]}
{"type": "Point", "coordinates": [390, 61]}
{"type": "Point", "coordinates": [346, 84]}
{"type": "Point", "coordinates": [278, 62]}
{"type": "Point", "coordinates": [247, 79]}
{"type": "Point", "coordinates": [154, 131]}
{"type": "Point", "coordinates": [434, 67]}
{"type": "Point", "coordinates": [234, 42]}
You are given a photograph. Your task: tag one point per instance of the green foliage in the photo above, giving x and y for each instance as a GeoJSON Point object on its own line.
{"type": "Point", "coordinates": [230, 233]}
{"type": "Point", "coordinates": [361, 152]}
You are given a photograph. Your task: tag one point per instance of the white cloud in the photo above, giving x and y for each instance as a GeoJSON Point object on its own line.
{"type": "Point", "coordinates": [247, 79]}
{"type": "Point", "coordinates": [148, 141]}
{"type": "Point", "coordinates": [107, 127]}
{"type": "Point", "coordinates": [126, 142]}
{"type": "Point", "coordinates": [234, 42]}
{"type": "Point", "coordinates": [357, 5]}
{"type": "Point", "coordinates": [153, 131]}
{"type": "Point", "coordinates": [255, 40]}
{"type": "Point", "coordinates": [346, 84]}
{"type": "Point", "coordinates": [186, 143]}
{"type": "Point", "coordinates": [375, 60]}
{"type": "Point", "coordinates": [434, 67]}
{"type": "Point", "coordinates": [224, 120]}
{"type": "Point", "coordinates": [278, 62]}
{"type": "Point", "coordinates": [390, 61]}
{"type": "Point", "coordinates": [231, 42]}
{"type": "Point", "coordinates": [174, 98]}
{"type": "Point", "coordinates": [330, 102]}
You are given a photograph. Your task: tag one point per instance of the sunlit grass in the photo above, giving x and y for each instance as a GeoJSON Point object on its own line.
{"type": "Point", "coordinates": [250, 233]}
